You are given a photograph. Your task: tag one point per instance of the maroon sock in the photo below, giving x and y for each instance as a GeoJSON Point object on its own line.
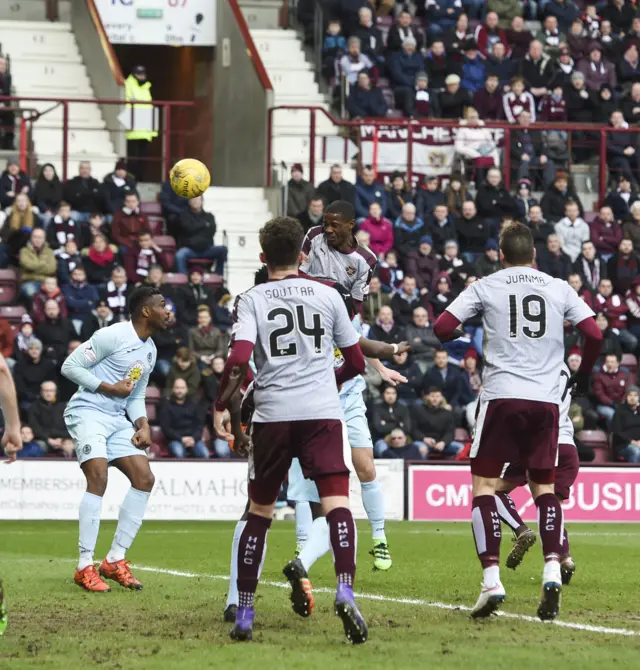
{"type": "Point", "coordinates": [550, 526]}
{"type": "Point", "coordinates": [487, 530]}
{"type": "Point", "coordinates": [343, 538]}
{"type": "Point", "coordinates": [250, 552]}
{"type": "Point", "coordinates": [509, 512]}
{"type": "Point", "coordinates": [565, 543]}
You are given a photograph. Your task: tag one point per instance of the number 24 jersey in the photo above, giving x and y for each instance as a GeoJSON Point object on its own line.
{"type": "Point", "coordinates": [294, 323]}
{"type": "Point", "coordinates": [523, 312]}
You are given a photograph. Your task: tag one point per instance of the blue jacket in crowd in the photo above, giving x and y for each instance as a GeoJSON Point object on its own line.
{"type": "Point", "coordinates": [334, 42]}
{"type": "Point", "coordinates": [404, 67]}
{"type": "Point", "coordinates": [473, 74]}
{"type": "Point", "coordinates": [438, 13]}
{"type": "Point", "coordinates": [366, 103]}
{"type": "Point", "coordinates": [365, 195]}
{"type": "Point", "coordinates": [81, 300]}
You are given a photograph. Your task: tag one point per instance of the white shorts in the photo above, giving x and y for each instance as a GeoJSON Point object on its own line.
{"type": "Point", "coordinates": [98, 435]}
{"type": "Point", "coordinates": [355, 416]}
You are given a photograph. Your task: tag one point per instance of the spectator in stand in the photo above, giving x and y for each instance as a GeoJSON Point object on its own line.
{"type": "Point", "coordinates": [621, 199]}
{"type": "Point", "coordinates": [138, 259]}
{"type": "Point", "coordinates": [442, 15]}
{"type": "Point", "coordinates": [128, 221]}
{"type": "Point", "coordinates": [182, 423]}
{"type": "Point", "coordinates": [457, 36]}
{"type": "Point", "coordinates": [353, 62]}
{"type": "Point", "coordinates": [12, 182]}
{"type": "Point", "coordinates": [438, 65]}
{"type": "Point", "coordinates": [312, 216]}
{"type": "Point", "coordinates": [7, 119]}
{"type": "Point", "coordinates": [519, 38]}
{"type": "Point", "coordinates": [402, 29]}
{"type": "Point", "coordinates": [528, 153]}
{"type": "Point", "coordinates": [16, 230]}
{"type": "Point", "coordinates": [489, 261]}
{"type": "Point", "coordinates": [622, 267]}
{"type": "Point", "coordinates": [621, 14]}
{"type": "Point", "coordinates": [507, 10]}
{"type": "Point", "coordinates": [630, 104]}
{"type": "Point", "coordinates": [99, 261]}
{"type": "Point", "coordinates": [536, 70]}
{"type": "Point", "coordinates": [375, 300]}
{"type": "Point", "coordinates": [428, 197]}
{"type": "Point", "coordinates": [523, 199]}
{"type": "Point", "coordinates": [472, 233]}
{"type": "Point", "coordinates": [420, 336]}
{"type": "Point", "coordinates": [47, 194]}
{"type": "Point", "coordinates": [368, 190]}
{"type": "Point", "coordinates": [390, 272]}
{"type": "Point", "coordinates": [62, 227]}
{"type": "Point", "coordinates": [84, 194]}
{"type": "Point", "coordinates": [632, 300]}
{"type": "Point", "coordinates": [551, 37]}
{"type": "Point", "coordinates": [575, 281]}
{"type": "Point", "coordinates": [348, 12]}
{"type": "Point", "coordinates": [196, 234]}
{"type": "Point", "coordinates": [572, 230]}
{"type": "Point", "coordinates": [334, 46]}
{"type": "Point", "coordinates": [30, 371]}
{"type": "Point", "coordinates": [81, 297]}
{"type": "Point", "coordinates": [633, 34]}
{"type": "Point", "coordinates": [116, 293]}
{"type": "Point", "coordinates": [488, 100]}
{"type": "Point", "coordinates": [408, 393]}
{"type": "Point", "coordinates": [97, 226]}
{"type": "Point", "coordinates": [590, 267]}
{"type": "Point", "coordinates": [453, 99]}
{"type": "Point", "coordinates": [24, 337]}
{"type": "Point", "coordinates": [336, 188]}
{"type": "Point", "coordinates": [578, 40]}
{"type": "Point", "coordinates": [610, 340]}
{"type": "Point", "coordinates": [596, 71]}
{"type": "Point", "coordinates": [612, 305]}
{"type": "Point", "coordinates": [172, 207]}
{"type": "Point", "coordinates": [205, 340]}
{"type": "Point", "coordinates": [610, 386]}
{"type": "Point", "coordinates": [191, 297]}
{"type": "Point", "coordinates": [622, 155]}
{"type": "Point", "coordinates": [30, 448]}
{"type": "Point", "coordinates": [55, 332]}
{"type": "Point", "coordinates": [366, 100]}
{"type": "Point", "coordinates": [36, 262]}
{"type": "Point", "coordinates": [456, 194]}
{"type": "Point", "coordinates": [440, 227]}
{"type": "Point", "coordinates": [592, 20]}
{"type": "Point", "coordinates": [607, 104]}
{"type": "Point", "coordinates": [405, 300]}
{"type": "Point", "coordinates": [606, 232]}
{"type": "Point", "coordinates": [117, 186]}
{"type": "Point", "coordinates": [500, 64]}
{"type": "Point", "coordinates": [625, 427]}
{"type": "Point", "coordinates": [553, 260]}
{"type": "Point", "coordinates": [370, 37]}
{"type": "Point", "coordinates": [211, 381]}
{"type": "Point", "coordinates": [67, 258]}
{"type": "Point", "coordinates": [169, 341]}
{"type": "Point", "coordinates": [407, 230]}
{"type": "Point", "coordinates": [629, 66]}
{"type": "Point", "coordinates": [631, 227]}
{"type": "Point", "coordinates": [434, 426]}
{"type": "Point", "coordinates": [441, 297]}
{"type": "Point", "coordinates": [444, 376]}
{"type": "Point", "coordinates": [184, 366]}
{"type": "Point", "coordinates": [423, 264]}
{"type": "Point", "coordinates": [539, 226]}
{"type": "Point", "coordinates": [475, 143]}
{"type": "Point", "coordinates": [398, 196]}
{"type": "Point", "coordinates": [49, 290]}
{"type": "Point", "coordinates": [426, 102]}
{"type": "Point", "coordinates": [564, 10]}
{"type": "Point", "coordinates": [517, 100]}
{"type": "Point", "coordinates": [388, 415]}
{"type": "Point", "coordinates": [553, 108]}
{"type": "Point", "coordinates": [380, 230]}
{"type": "Point", "coordinates": [493, 201]}
{"type": "Point", "coordinates": [564, 68]}
{"type": "Point", "coordinates": [582, 107]}
{"type": "Point", "coordinates": [385, 329]}
{"type": "Point", "coordinates": [489, 33]}
{"type": "Point", "coordinates": [299, 192]}
{"type": "Point", "coordinates": [455, 267]}
{"type": "Point", "coordinates": [555, 199]}
{"type": "Point", "coordinates": [473, 69]}
{"type": "Point", "coordinates": [100, 317]}
{"type": "Point", "coordinates": [46, 419]}
{"type": "Point", "coordinates": [404, 66]}
{"type": "Point", "coordinates": [396, 445]}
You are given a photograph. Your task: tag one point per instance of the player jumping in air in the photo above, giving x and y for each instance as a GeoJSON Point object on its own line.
{"type": "Point", "coordinates": [523, 312]}
{"type": "Point", "coordinates": [107, 420]}
{"type": "Point", "coordinates": [566, 473]}
{"type": "Point", "coordinates": [332, 251]}
{"type": "Point", "coordinates": [290, 325]}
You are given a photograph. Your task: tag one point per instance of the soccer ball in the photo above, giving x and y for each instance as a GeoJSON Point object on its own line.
{"type": "Point", "coordinates": [189, 178]}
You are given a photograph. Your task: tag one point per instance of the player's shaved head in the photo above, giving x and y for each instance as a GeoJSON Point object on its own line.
{"type": "Point", "coordinates": [516, 245]}
{"type": "Point", "coordinates": [343, 209]}
{"type": "Point", "coordinates": [141, 297]}
{"type": "Point", "coordinates": [281, 242]}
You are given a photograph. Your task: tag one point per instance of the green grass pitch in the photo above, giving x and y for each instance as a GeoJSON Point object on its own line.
{"type": "Point", "coordinates": [176, 621]}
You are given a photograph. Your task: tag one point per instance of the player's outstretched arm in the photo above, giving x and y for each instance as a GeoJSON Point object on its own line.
{"type": "Point", "coordinates": [11, 439]}
{"type": "Point", "coordinates": [382, 350]}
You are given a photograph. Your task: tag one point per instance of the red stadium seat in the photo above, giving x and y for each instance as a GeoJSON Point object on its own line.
{"type": "Point", "coordinates": [461, 435]}
{"type": "Point", "coordinates": [212, 279]}
{"type": "Point", "coordinates": [165, 242]}
{"type": "Point", "coordinates": [151, 208]}
{"type": "Point", "coordinates": [8, 286]}
{"type": "Point", "coordinates": [154, 395]}
{"type": "Point", "coordinates": [203, 264]}
{"type": "Point", "coordinates": [594, 438]}
{"type": "Point", "coordinates": [12, 314]}
{"type": "Point", "coordinates": [156, 225]}
{"type": "Point", "coordinates": [601, 455]}
{"type": "Point", "coordinates": [151, 412]}
{"type": "Point", "coordinates": [158, 440]}
{"type": "Point", "coordinates": [175, 278]}
{"type": "Point", "coordinates": [589, 217]}
{"type": "Point", "coordinates": [630, 362]}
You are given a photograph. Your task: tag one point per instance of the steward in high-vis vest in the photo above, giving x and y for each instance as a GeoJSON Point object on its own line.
{"type": "Point", "coordinates": [138, 89]}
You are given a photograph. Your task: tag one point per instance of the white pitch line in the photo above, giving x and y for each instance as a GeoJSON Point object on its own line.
{"type": "Point", "coordinates": [409, 601]}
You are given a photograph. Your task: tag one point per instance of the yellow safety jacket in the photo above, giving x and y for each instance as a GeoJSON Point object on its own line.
{"type": "Point", "coordinates": [134, 91]}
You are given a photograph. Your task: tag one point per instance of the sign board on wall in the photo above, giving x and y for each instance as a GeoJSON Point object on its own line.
{"type": "Point", "coordinates": [169, 22]}
{"type": "Point", "coordinates": [47, 489]}
{"type": "Point", "coordinates": [599, 495]}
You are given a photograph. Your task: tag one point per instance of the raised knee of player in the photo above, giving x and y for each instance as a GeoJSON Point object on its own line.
{"type": "Point", "coordinates": [483, 486]}
{"type": "Point", "coordinates": [96, 472]}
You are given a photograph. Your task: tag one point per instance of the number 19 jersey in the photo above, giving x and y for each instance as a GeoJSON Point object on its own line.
{"type": "Point", "coordinates": [523, 312]}
{"type": "Point", "coordinates": [294, 323]}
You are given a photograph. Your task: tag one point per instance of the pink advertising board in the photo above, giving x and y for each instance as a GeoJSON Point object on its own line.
{"type": "Point", "coordinates": [443, 493]}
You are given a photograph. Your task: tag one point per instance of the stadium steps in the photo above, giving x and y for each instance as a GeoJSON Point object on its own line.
{"type": "Point", "coordinates": [45, 61]}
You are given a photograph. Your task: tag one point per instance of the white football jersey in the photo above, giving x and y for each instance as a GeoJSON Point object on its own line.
{"type": "Point", "coordinates": [565, 435]}
{"type": "Point", "coordinates": [293, 324]}
{"type": "Point", "coordinates": [523, 312]}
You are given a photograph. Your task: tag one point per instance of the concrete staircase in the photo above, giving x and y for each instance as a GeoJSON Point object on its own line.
{"type": "Point", "coordinates": [45, 62]}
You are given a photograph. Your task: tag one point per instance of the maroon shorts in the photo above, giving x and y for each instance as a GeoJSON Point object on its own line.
{"type": "Point", "coordinates": [566, 471]}
{"type": "Point", "coordinates": [317, 443]}
{"type": "Point", "coordinates": [509, 430]}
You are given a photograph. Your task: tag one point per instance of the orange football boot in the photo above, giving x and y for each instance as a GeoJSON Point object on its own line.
{"type": "Point", "coordinates": [120, 572]}
{"type": "Point", "coordinates": [89, 579]}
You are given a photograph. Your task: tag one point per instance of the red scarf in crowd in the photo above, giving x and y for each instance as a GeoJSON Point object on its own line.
{"type": "Point", "coordinates": [103, 258]}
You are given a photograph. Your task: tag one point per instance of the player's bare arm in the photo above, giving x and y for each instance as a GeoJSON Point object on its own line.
{"type": "Point", "coordinates": [382, 350]}
{"type": "Point", "coordinates": [11, 439]}
{"type": "Point", "coordinates": [121, 389]}
{"type": "Point", "coordinates": [142, 437]}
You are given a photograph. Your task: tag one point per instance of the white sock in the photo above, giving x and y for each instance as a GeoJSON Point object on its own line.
{"type": "Point", "coordinates": [132, 512]}
{"type": "Point", "coordinates": [304, 519]}
{"type": "Point", "coordinates": [90, 507]}
{"type": "Point", "coordinates": [552, 572]}
{"type": "Point", "coordinates": [373, 502]}
{"type": "Point", "coordinates": [491, 576]}
{"type": "Point", "coordinates": [317, 545]}
{"type": "Point", "coordinates": [232, 596]}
